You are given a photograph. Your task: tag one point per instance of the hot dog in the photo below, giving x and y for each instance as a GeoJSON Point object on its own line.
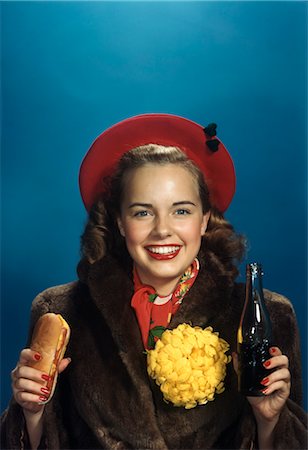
{"type": "Point", "coordinates": [50, 338]}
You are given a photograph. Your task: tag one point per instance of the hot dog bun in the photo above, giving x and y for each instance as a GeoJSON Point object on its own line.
{"type": "Point", "coordinates": [50, 338]}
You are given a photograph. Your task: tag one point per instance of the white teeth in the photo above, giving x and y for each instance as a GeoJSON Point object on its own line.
{"type": "Point", "coordinates": [163, 250]}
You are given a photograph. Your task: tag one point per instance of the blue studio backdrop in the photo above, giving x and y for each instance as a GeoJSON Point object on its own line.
{"type": "Point", "coordinates": [72, 69]}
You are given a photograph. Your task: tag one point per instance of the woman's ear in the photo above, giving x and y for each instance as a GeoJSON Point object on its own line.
{"type": "Point", "coordinates": [120, 226]}
{"type": "Point", "coordinates": [205, 221]}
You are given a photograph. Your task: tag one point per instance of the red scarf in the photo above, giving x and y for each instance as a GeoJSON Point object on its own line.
{"type": "Point", "coordinates": [153, 312]}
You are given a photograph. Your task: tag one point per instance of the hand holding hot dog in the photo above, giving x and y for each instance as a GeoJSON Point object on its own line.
{"type": "Point", "coordinates": [34, 378]}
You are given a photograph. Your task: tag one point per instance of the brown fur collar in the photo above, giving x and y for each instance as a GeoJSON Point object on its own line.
{"type": "Point", "coordinates": [209, 300]}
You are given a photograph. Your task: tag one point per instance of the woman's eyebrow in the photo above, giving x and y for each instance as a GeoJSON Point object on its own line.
{"type": "Point", "coordinates": [143, 205]}
{"type": "Point", "coordinates": [184, 202]}
{"type": "Point", "coordinates": [149, 205]}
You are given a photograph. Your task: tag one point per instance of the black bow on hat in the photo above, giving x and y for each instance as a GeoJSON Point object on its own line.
{"type": "Point", "coordinates": [210, 133]}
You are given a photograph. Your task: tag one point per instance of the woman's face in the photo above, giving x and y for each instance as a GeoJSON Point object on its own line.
{"type": "Point", "coordinates": [162, 222]}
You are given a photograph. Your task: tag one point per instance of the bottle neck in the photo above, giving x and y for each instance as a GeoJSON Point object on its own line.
{"type": "Point", "coordinates": [255, 320]}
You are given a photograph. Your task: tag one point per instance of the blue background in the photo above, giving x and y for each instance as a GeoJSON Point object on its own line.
{"type": "Point", "coordinates": [71, 69]}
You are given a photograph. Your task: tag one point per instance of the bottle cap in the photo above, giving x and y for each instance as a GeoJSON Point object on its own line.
{"type": "Point", "coordinates": [254, 269]}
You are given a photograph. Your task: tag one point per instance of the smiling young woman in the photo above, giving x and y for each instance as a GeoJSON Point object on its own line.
{"type": "Point", "coordinates": [162, 221]}
{"type": "Point", "coordinates": [157, 299]}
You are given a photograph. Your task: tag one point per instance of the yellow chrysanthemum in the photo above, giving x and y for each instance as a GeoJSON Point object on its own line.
{"type": "Point", "coordinates": [189, 365]}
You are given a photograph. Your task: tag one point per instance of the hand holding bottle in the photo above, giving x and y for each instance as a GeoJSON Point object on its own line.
{"type": "Point", "coordinates": [263, 372]}
{"type": "Point", "coordinates": [276, 387]}
{"type": "Point", "coordinates": [267, 408]}
{"type": "Point", "coordinates": [262, 369]}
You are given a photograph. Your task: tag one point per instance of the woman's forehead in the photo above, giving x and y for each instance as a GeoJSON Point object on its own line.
{"type": "Point", "coordinates": [149, 171]}
{"type": "Point", "coordinates": [159, 180]}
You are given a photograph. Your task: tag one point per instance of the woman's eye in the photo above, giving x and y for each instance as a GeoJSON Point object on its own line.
{"type": "Point", "coordinates": [141, 213]}
{"type": "Point", "coordinates": [182, 212]}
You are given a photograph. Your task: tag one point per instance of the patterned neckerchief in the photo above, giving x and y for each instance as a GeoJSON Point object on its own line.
{"type": "Point", "coordinates": [153, 312]}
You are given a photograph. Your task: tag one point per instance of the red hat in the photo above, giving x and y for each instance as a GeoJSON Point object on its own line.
{"type": "Point", "coordinates": [199, 143]}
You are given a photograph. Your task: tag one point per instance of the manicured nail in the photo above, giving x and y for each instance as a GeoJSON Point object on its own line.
{"type": "Point", "coordinates": [45, 391]}
{"type": "Point", "coordinates": [273, 350]}
{"type": "Point", "coordinates": [267, 363]}
{"type": "Point", "coordinates": [265, 381]}
{"type": "Point", "coordinates": [42, 398]}
{"type": "Point", "coordinates": [265, 391]}
{"type": "Point", "coordinates": [37, 356]}
{"type": "Point", "coordinates": [45, 377]}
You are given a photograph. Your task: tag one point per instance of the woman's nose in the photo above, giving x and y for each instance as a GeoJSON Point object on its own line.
{"type": "Point", "coordinates": [162, 227]}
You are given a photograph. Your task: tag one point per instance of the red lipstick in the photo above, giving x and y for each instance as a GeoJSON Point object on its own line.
{"type": "Point", "coordinates": [170, 253]}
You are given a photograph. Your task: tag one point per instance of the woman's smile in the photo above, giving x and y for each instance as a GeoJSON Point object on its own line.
{"type": "Point", "coordinates": [163, 252]}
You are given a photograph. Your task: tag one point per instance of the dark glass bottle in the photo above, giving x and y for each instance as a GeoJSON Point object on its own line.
{"type": "Point", "coordinates": [254, 336]}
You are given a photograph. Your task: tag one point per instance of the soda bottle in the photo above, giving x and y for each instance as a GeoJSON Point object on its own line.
{"type": "Point", "coordinates": [254, 335]}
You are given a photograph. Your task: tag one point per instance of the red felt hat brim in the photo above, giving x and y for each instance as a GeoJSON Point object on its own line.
{"type": "Point", "coordinates": [163, 129]}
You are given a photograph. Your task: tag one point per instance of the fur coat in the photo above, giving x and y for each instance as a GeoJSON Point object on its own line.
{"type": "Point", "coordinates": [105, 400]}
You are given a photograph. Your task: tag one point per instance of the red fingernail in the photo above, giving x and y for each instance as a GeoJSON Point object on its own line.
{"type": "Point", "coordinates": [265, 381]}
{"type": "Point", "coordinates": [45, 377]}
{"type": "Point", "coordinates": [272, 350]}
{"type": "Point", "coordinates": [267, 363]}
{"type": "Point", "coordinates": [45, 391]}
{"type": "Point", "coordinates": [264, 391]}
{"type": "Point", "coordinates": [42, 398]}
{"type": "Point", "coordinates": [37, 356]}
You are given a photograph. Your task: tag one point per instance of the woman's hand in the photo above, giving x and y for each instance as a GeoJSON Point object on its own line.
{"type": "Point", "coordinates": [29, 390]}
{"type": "Point", "coordinates": [267, 408]}
{"type": "Point", "coordinates": [29, 384]}
{"type": "Point", "coordinates": [276, 387]}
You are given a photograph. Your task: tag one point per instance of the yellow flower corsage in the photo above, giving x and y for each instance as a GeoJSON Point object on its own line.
{"type": "Point", "coordinates": [189, 365]}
